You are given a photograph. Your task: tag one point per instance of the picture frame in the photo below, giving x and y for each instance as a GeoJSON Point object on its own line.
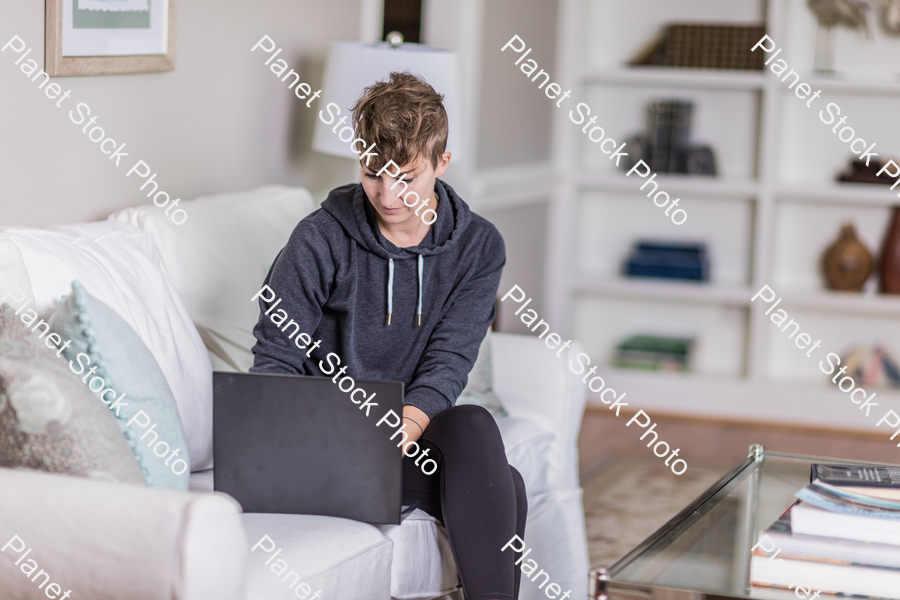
{"type": "Point", "coordinates": [105, 37]}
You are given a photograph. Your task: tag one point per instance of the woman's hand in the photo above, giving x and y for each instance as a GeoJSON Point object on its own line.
{"type": "Point", "coordinates": [416, 421]}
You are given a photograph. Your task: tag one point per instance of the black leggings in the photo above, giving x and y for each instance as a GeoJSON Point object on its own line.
{"type": "Point", "coordinates": [476, 494]}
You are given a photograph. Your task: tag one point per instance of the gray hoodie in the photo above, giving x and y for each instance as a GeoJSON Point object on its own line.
{"type": "Point", "coordinates": [339, 278]}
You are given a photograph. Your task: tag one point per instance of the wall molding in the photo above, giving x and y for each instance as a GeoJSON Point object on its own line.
{"type": "Point", "coordinates": [511, 187]}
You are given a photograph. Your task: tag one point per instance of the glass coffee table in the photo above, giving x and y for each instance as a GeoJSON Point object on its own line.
{"type": "Point", "coordinates": [703, 553]}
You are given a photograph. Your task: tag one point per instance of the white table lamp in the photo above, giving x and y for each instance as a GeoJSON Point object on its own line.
{"type": "Point", "coordinates": [352, 66]}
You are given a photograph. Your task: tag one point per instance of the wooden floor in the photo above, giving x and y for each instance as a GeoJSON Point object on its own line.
{"type": "Point", "coordinates": [718, 443]}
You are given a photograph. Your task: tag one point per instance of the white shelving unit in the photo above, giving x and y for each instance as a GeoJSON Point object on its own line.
{"type": "Point", "coordinates": [765, 219]}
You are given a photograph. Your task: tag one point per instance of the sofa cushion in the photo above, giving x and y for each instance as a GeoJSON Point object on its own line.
{"type": "Point", "coordinates": [479, 388]}
{"type": "Point", "coordinates": [536, 385]}
{"type": "Point", "coordinates": [106, 541]}
{"type": "Point", "coordinates": [343, 558]}
{"type": "Point", "coordinates": [423, 565]}
{"type": "Point", "coordinates": [118, 263]}
{"type": "Point", "coordinates": [218, 259]}
{"type": "Point", "coordinates": [201, 481]}
{"type": "Point", "coordinates": [49, 421]}
{"type": "Point", "coordinates": [127, 368]}
{"type": "Point", "coordinates": [340, 557]}
{"type": "Point", "coordinates": [527, 447]}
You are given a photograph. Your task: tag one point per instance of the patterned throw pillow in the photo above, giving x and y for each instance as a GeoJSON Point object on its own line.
{"type": "Point", "coordinates": [123, 363]}
{"type": "Point", "coordinates": [49, 421]}
{"type": "Point", "coordinates": [480, 387]}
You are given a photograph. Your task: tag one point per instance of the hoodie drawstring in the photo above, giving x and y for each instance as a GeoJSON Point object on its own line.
{"type": "Point", "coordinates": [390, 289]}
{"type": "Point", "coordinates": [421, 267]}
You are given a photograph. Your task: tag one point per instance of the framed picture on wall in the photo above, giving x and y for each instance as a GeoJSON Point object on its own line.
{"type": "Point", "coordinates": [99, 37]}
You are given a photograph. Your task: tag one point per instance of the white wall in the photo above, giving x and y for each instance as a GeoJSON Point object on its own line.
{"type": "Point", "coordinates": [524, 232]}
{"type": "Point", "coordinates": [515, 130]}
{"type": "Point", "coordinates": [219, 122]}
{"type": "Point", "coordinates": [222, 121]}
{"type": "Point", "coordinates": [515, 121]}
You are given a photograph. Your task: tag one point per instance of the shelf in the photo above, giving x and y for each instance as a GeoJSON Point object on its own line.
{"type": "Point", "coordinates": [873, 305]}
{"type": "Point", "coordinates": [865, 194]}
{"type": "Point", "coordinates": [662, 290]}
{"type": "Point", "coordinates": [765, 226]}
{"type": "Point", "coordinates": [674, 77]}
{"type": "Point", "coordinates": [681, 185]}
{"type": "Point", "coordinates": [849, 86]}
{"type": "Point", "coordinates": [496, 189]}
{"type": "Point", "coordinates": [737, 399]}
{"type": "Point", "coordinates": [729, 80]}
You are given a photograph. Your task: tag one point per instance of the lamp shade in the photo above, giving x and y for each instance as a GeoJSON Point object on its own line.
{"type": "Point", "coordinates": [352, 66]}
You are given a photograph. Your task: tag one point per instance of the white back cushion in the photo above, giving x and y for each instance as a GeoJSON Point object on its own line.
{"type": "Point", "coordinates": [217, 260]}
{"type": "Point", "coordinates": [536, 385]}
{"type": "Point", "coordinates": [117, 264]}
{"type": "Point", "coordinates": [479, 388]}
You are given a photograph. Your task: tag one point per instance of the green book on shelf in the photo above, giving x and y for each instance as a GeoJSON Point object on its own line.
{"type": "Point", "coordinates": [655, 353]}
{"type": "Point", "coordinates": [653, 343]}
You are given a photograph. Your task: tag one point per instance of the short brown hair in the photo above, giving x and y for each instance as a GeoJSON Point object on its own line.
{"type": "Point", "coordinates": [404, 117]}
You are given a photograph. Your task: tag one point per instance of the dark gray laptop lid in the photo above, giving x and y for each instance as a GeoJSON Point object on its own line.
{"type": "Point", "coordinates": [299, 445]}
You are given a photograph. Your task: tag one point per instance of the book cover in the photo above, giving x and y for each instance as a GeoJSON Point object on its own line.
{"type": "Point", "coordinates": [679, 136]}
{"type": "Point", "coordinates": [845, 500]}
{"type": "Point", "coordinates": [659, 132]}
{"type": "Point", "coordinates": [668, 260]}
{"type": "Point", "coordinates": [876, 481]}
{"type": "Point", "coordinates": [829, 565]}
{"type": "Point", "coordinates": [856, 476]}
{"type": "Point", "coordinates": [875, 582]}
{"type": "Point", "coordinates": [812, 520]}
{"type": "Point", "coordinates": [787, 543]}
{"type": "Point", "coordinates": [656, 353]}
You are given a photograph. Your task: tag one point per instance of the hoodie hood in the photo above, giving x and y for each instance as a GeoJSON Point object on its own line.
{"type": "Point", "coordinates": [350, 206]}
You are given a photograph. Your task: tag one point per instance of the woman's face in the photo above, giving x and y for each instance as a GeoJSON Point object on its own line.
{"type": "Point", "coordinates": [397, 199]}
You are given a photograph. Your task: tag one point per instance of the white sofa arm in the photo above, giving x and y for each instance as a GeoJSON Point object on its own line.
{"type": "Point", "coordinates": [534, 384]}
{"type": "Point", "coordinates": [110, 540]}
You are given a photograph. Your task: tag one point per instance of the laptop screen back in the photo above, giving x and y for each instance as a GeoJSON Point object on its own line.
{"type": "Point", "coordinates": [299, 445]}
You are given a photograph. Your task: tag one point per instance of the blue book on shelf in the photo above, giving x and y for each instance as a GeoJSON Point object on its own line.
{"type": "Point", "coordinates": [686, 261]}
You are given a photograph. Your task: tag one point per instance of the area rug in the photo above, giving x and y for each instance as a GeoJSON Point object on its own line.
{"type": "Point", "coordinates": [626, 499]}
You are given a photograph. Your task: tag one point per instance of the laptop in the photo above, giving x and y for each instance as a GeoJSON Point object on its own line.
{"type": "Point", "coordinates": [298, 445]}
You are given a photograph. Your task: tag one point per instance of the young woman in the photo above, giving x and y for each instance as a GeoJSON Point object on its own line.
{"type": "Point", "coordinates": [398, 277]}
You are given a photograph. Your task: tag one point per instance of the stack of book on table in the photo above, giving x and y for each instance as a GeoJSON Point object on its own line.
{"type": "Point", "coordinates": [841, 537]}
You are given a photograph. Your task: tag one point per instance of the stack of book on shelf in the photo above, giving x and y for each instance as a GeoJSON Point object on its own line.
{"type": "Point", "coordinates": [667, 260]}
{"type": "Point", "coordinates": [666, 146]}
{"type": "Point", "coordinates": [668, 134]}
{"type": "Point", "coordinates": [841, 537]}
{"type": "Point", "coordinates": [655, 353]}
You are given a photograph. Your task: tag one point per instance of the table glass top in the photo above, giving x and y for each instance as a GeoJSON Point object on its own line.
{"type": "Point", "coordinates": [707, 547]}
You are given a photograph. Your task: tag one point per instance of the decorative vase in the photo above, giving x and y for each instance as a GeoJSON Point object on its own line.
{"type": "Point", "coordinates": [847, 263]}
{"type": "Point", "coordinates": [890, 256]}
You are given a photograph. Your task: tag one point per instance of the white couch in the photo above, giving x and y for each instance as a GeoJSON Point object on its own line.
{"type": "Point", "coordinates": [174, 284]}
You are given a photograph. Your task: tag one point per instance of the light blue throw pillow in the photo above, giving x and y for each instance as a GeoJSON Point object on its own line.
{"type": "Point", "coordinates": [110, 358]}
